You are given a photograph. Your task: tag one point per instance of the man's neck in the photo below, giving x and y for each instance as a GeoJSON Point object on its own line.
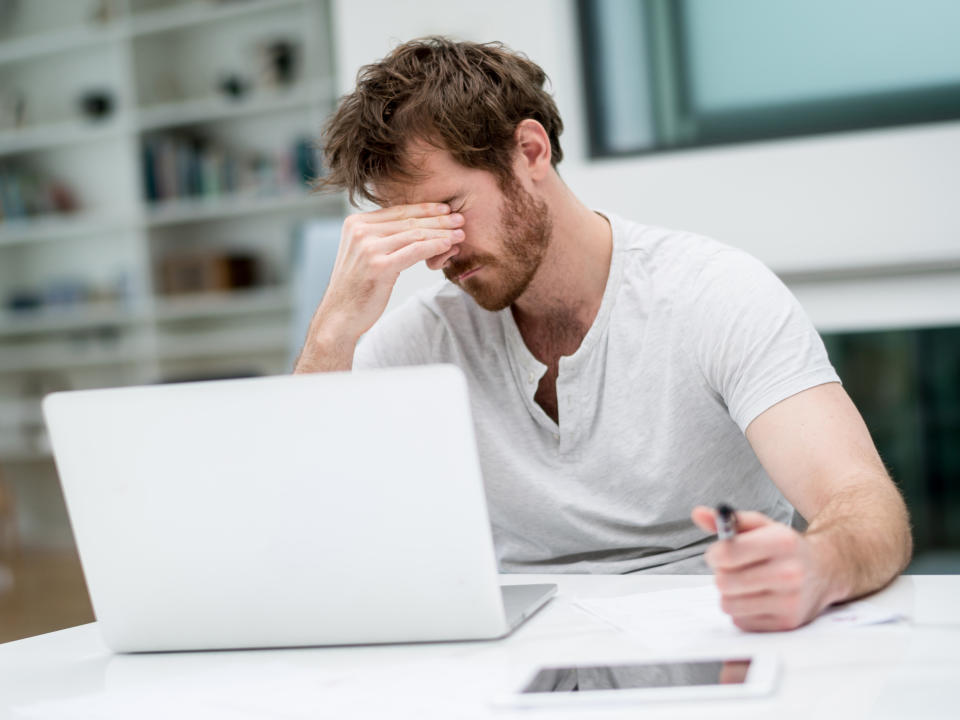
{"type": "Point", "coordinates": [568, 287]}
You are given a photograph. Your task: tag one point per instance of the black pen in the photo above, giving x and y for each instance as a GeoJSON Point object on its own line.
{"type": "Point", "coordinates": [726, 522]}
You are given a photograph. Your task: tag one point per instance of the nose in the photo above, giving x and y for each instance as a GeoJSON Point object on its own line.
{"type": "Point", "coordinates": [440, 261]}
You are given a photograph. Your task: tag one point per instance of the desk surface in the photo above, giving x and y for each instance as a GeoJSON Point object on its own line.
{"type": "Point", "coordinates": [907, 669]}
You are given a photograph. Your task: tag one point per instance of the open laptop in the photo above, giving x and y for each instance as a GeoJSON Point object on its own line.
{"type": "Point", "coordinates": [330, 509]}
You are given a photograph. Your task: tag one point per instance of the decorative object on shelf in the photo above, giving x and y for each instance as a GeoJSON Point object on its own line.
{"type": "Point", "coordinates": [24, 301]}
{"type": "Point", "coordinates": [65, 293]}
{"type": "Point", "coordinates": [24, 194]}
{"type": "Point", "coordinates": [279, 62]}
{"type": "Point", "coordinates": [165, 84]}
{"type": "Point", "coordinates": [182, 165]}
{"type": "Point", "coordinates": [97, 104]}
{"type": "Point", "coordinates": [105, 11]}
{"type": "Point", "coordinates": [193, 272]}
{"type": "Point", "coordinates": [233, 86]}
{"type": "Point", "coordinates": [309, 167]}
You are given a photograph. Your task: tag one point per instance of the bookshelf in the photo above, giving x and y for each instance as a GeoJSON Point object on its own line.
{"type": "Point", "coordinates": [154, 167]}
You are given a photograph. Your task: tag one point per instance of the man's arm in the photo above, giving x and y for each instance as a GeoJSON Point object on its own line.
{"type": "Point", "coordinates": [375, 247]}
{"type": "Point", "coordinates": [818, 451]}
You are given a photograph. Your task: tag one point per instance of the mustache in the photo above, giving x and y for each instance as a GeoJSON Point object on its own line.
{"type": "Point", "coordinates": [457, 266]}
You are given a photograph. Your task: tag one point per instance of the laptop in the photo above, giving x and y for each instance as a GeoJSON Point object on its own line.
{"type": "Point", "coordinates": [330, 509]}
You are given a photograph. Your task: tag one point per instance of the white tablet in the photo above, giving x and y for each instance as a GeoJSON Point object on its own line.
{"type": "Point", "coordinates": [702, 678]}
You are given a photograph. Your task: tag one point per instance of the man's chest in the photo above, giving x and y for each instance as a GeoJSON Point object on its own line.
{"type": "Point", "coordinates": [546, 395]}
{"type": "Point", "coordinates": [548, 346]}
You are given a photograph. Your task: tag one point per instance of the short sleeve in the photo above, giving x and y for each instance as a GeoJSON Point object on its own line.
{"type": "Point", "coordinates": [753, 341]}
{"type": "Point", "coordinates": [405, 336]}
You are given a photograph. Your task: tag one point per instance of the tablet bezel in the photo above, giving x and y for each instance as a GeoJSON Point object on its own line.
{"type": "Point", "coordinates": [761, 680]}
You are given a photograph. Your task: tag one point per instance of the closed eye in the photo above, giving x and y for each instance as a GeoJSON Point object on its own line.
{"type": "Point", "coordinates": [449, 202]}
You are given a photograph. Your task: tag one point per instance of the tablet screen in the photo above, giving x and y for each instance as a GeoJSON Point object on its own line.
{"type": "Point", "coordinates": [585, 678]}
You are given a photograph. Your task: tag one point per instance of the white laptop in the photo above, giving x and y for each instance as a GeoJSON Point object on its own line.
{"type": "Point", "coordinates": [327, 509]}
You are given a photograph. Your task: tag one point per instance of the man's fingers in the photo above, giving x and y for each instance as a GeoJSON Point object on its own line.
{"type": "Point", "coordinates": [745, 581]}
{"type": "Point", "coordinates": [383, 229]}
{"type": "Point", "coordinates": [741, 606]}
{"type": "Point", "coordinates": [393, 243]}
{"type": "Point", "coordinates": [762, 623]}
{"type": "Point", "coordinates": [704, 519]}
{"type": "Point", "coordinates": [780, 575]}
{"type": "Point", "coordinates": [748, 548]}
{"type": "Point", "coordinates": [761, 572]}
{"type": "Point", "coordinates": [748, 520]}
{"type": "Point", "coordinates": [403, 212]}
{"type": "Point", "coordinates": [413, 253]}
{"type": "Point", "coordinates": [762, 612]}
{"type": "Point", "coordinates": [734, 672]}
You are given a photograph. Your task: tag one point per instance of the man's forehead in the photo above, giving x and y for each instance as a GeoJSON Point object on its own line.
{"type": "Point", "coordinates": [433, 189]}
{"type": "Point", "coordinates": [432, 177]}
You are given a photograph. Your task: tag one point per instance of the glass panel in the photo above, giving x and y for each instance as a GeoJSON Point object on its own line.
{"type": "Point", "coordinates": [906, 384]}
{"type": "Point", "coordinates": [682, 73]}
{"type": "Point", "coordinates": [627, 121]}
{"type": "Point", "coordinates": [748, 53]}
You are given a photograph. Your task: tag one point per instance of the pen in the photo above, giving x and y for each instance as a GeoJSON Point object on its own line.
{"type": "Point", "coordinates": [726, 522]}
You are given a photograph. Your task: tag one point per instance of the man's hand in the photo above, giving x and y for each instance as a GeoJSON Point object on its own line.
{"type": "Point", "coordinates": [770, 577]}
{"type": "Point", "coordinates": [375, 247]}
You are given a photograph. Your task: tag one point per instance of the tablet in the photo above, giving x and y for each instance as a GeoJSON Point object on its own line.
{"type": "Point", "coordinates": [701, 678]}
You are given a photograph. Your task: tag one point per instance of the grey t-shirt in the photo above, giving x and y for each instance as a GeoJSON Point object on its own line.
{"type": "Point", "coordinates": [693, 340]}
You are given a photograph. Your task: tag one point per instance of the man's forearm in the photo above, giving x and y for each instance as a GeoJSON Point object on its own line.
{"type": "Point", "coordinates": [323, 352]}
{"type": "Point", "coordinates": [862, 538]}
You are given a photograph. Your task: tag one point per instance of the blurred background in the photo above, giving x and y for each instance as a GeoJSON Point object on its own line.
{"type": "Point", "coordinates": [156, 221]}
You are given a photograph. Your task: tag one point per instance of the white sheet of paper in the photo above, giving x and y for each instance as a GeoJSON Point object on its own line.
{"type": "Point", "coordinates": [687, 616]}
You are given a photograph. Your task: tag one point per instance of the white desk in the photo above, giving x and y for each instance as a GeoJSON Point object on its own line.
{"type": "Point", "coordinates": [904, 670]}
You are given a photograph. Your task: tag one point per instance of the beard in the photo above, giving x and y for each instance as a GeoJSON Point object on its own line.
{"type": "Point", "coordinates": [524, 232]}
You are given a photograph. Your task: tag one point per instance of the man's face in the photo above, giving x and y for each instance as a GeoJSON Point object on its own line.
{"type": "Point", "coordinates": [507, 231]}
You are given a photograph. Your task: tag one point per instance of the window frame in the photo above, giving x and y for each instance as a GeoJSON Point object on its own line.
{"type": "Point", "coordinates": [676, 124]}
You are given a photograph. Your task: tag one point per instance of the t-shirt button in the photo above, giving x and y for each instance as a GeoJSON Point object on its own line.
{"type": "Point", "coordinates": [530, 377]}
{"type": "Point", "coordinates": [556, 437]}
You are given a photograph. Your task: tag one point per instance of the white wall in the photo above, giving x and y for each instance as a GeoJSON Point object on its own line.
{"type": "Point", "coordinates": [883, 199]}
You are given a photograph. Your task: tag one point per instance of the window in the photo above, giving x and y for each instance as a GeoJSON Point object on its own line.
{"type": "Point", "coordinates": [906, 384]}
{"type": "Point", "coordinates": [666, 74]}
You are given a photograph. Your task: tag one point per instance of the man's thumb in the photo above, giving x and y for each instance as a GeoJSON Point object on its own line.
{"type": "Point", "coordinates": [747, 520]}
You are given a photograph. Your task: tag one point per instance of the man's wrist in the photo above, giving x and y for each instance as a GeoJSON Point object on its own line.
{"type": "Point", "coordinates": [834, 576]}
{"type": "Point", "coordinates": [328, 348]}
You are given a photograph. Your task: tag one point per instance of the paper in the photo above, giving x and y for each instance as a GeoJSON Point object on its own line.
{"type": "Point", "coordinates": [688, 616]}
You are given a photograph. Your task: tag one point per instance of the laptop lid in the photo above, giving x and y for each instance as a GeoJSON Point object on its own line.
{"type": "Point", "coordinates": [296, 510]}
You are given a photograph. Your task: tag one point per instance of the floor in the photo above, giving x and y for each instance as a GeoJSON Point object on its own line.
{"type": "Point", "coordinates": [48, 593]}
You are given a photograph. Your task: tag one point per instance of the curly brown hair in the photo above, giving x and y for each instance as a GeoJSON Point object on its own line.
{"type": "Point", "coordinates": [464, 97]}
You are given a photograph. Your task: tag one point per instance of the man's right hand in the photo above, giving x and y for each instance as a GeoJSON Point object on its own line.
{"type": "Point", "coordinates": [375, 247]}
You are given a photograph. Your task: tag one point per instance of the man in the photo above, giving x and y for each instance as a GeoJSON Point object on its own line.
{"type": "Point", "coordinates": [620, 374]}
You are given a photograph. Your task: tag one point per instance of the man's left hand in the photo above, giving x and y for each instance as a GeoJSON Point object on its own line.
{"type": "Point", "coordinates": [770, 576]}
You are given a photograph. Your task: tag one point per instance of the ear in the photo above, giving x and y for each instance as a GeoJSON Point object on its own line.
{"type": "Point", "coordinates": [533, 149]}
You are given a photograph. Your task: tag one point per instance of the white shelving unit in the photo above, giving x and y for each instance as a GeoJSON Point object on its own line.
{"type": "Point", "coordinates": [198, 73]}
{"type": "Point", "coordinates": [25, 232]}
{"type": "Point", "coordinates": [57, 134]}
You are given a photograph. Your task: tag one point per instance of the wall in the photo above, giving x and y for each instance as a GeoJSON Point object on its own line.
{"type": "Point", "coordinates": [864, 226]}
